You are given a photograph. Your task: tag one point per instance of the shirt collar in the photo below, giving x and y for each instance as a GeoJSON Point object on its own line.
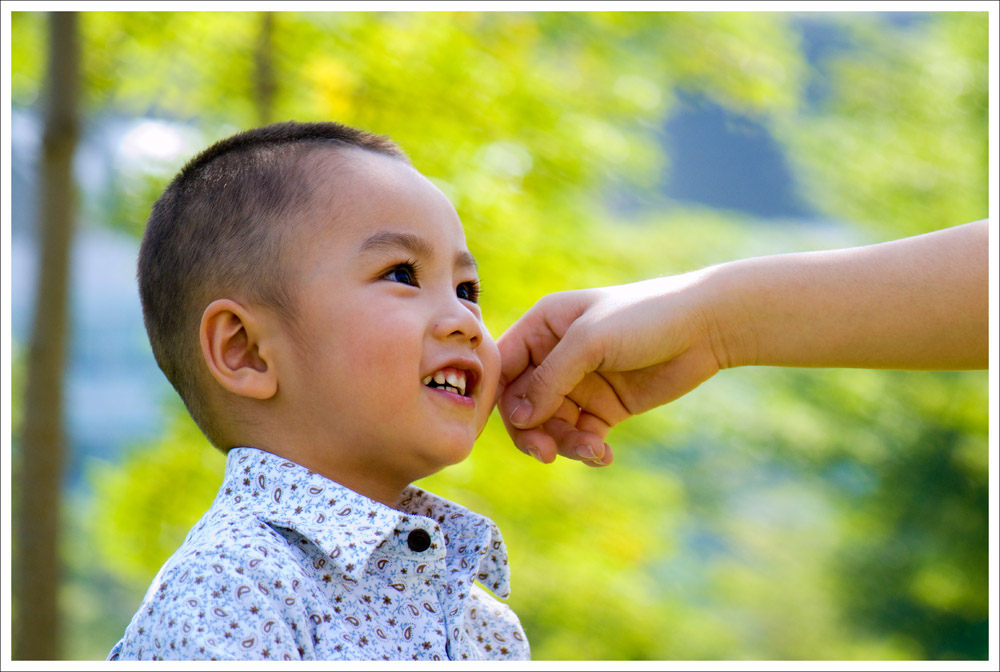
{"type": "Point", "coordinates": [348, 526]}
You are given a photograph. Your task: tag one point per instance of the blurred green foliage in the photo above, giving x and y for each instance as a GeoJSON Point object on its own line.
{"type": "Point", "coordinates": [903, 130]}
{"type": "Point", "coordinates": [771, 514]}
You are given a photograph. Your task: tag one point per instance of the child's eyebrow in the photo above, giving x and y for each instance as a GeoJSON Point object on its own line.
{"type": "Point", "coordinates": [414, 244]}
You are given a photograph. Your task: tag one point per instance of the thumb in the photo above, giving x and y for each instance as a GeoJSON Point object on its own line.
{"type": "Point", "coordinates": [557, 375]}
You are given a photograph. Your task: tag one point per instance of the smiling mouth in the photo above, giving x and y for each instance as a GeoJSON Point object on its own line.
{"type": "Point", "coordinates": [451, 380]}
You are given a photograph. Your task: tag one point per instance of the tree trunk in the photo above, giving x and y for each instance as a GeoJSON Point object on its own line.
{"type": "Point", "coordinates": [265, 84]}
{"type": "Point", "coordinates": [39, 486]}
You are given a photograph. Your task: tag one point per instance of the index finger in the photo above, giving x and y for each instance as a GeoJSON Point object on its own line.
{"type": "Point", "coordinates": [527, 341]}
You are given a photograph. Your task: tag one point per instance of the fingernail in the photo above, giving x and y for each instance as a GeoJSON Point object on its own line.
{"type": "Point", "coordinates": [519, 416]}
{"type": "Point", "coordinates": [585, 451]}
{"type": "Point", "coordinates": [535, 454]}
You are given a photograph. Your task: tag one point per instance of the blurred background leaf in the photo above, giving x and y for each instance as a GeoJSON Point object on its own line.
{"type": "Point", "coordinates": [772, 514]}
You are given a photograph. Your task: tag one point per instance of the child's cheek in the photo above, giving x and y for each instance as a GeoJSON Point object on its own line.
{"type": "Point", "coordinates": [489, 355]}
{"type": "Point", "coordinates": [483, 414]}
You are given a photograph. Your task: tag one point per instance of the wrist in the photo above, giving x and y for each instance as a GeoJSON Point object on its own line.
{"type": "Point", "coordinates": [728, 316]}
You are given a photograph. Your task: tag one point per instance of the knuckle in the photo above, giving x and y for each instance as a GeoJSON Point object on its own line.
{"type": "Point", "coordinates": [543, 379]}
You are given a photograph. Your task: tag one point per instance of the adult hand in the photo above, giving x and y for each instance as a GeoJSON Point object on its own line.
{"type": "Point", "coordinates": [580, 362]}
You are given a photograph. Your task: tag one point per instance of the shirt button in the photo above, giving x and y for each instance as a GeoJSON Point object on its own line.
{"type": "Point", "coordinates": [419, 540]}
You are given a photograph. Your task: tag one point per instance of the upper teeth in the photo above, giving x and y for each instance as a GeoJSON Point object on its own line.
{"type": "Point", "coordinates": [453, 379]}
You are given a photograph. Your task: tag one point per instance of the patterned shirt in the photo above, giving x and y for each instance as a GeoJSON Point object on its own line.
{"type": "Point", "coordinates": [289, 565]}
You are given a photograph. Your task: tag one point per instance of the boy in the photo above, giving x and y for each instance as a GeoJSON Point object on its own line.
{"type": "Point", "coordinates": [310, 296]}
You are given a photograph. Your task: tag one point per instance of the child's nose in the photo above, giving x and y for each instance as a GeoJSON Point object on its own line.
{"type": "Point", "coordinates": [456, 321]}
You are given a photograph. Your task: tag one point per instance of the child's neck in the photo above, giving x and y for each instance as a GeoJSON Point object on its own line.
{"type": "Point", "coordinates": [380, 488]}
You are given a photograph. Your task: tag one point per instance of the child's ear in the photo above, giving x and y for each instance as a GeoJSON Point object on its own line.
{"type": "Point", "coordinates": [230, 342]}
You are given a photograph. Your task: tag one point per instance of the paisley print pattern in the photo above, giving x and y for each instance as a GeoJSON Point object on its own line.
{"type": "Point", "coordinates": [289, 565]}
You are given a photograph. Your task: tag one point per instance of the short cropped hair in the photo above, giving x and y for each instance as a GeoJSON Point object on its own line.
{"type": "Point", "coordinates": [218, 231]}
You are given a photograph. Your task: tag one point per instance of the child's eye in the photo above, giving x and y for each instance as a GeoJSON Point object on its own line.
{"type": "Point", "coordinates": [468, 291]}
{"type": "Point", "coordinates": [403, 273]}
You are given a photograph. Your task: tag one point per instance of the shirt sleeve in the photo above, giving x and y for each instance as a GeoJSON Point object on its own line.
{"type": "Point", "coordinates": [223, 607]}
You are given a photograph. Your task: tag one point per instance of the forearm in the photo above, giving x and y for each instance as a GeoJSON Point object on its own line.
{"type": "Point", "coordinates": [915, 303]}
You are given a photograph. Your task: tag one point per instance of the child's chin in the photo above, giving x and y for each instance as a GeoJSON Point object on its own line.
{"type": "Point", "coordinates": [453, 456]}
{"type": "Point", "coordinates": [461, 454]}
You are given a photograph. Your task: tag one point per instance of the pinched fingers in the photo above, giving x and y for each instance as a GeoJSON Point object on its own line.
{"type": "Point", "coordinates": [570, 432]}
{"type": "Point", "coordinates": [535, 442]}
{"type": "Point", "coordinates": [579, 435]}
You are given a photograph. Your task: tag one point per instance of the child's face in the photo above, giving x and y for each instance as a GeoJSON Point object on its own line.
{"type": "Point", "coordinates": [385, 302]}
